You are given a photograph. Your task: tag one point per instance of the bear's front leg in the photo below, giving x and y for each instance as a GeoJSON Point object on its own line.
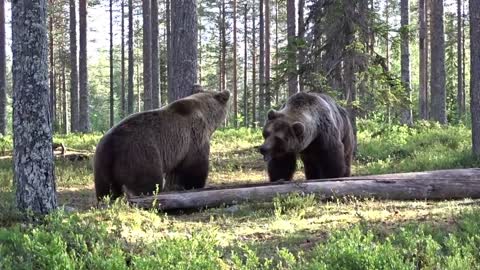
{"type": "Point", "coordinates": [282, 168]}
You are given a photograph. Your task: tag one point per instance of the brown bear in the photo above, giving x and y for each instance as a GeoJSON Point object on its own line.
{"type": "Point", "coordinates": [174, 141]}
{"type": "Point", "coordinates": [314, 127]}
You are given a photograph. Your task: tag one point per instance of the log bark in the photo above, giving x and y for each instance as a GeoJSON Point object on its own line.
{"type": "Point", "coordinates": [431, 185]}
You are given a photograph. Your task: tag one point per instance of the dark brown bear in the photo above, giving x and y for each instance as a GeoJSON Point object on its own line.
{"type": "Point", "coordinates": [314, 127]}
{"type": "Point", "coordinates": [174, 141]}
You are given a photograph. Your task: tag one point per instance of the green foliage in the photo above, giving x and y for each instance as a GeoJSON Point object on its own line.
{"type": "Point", "coordinates": [425, 146]}
{"type": "Point", "coordinates": [296, 231]}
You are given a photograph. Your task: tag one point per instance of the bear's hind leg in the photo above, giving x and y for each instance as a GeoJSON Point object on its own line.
{"type": "Point", "coordinates": [191, 173]}
{"type": "Point", "coordinates": [313, 168]}
{"type": "Point", "coordinates": [282, 168]}
{"type": "Point", "coordinates": [146, 182]}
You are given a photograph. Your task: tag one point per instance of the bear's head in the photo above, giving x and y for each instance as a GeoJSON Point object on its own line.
{"type": "Point", "coordinates": [211, 105]}
{"type": "Point", "coordinates": [282, 136]}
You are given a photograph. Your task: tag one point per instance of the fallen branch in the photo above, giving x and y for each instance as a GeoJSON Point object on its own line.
{"type": "Point", "coordinates": [433, 185]}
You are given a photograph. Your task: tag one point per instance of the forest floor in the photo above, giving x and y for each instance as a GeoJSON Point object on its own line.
{"type": "Point", "coordinates": [292, 232]}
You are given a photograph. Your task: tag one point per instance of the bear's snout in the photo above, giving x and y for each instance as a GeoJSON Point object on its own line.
{"type": "Point", "coordinates": [265, 151]}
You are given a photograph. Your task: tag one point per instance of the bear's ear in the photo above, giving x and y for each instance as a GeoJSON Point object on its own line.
{"type": "Point", "coordinates": [197, 88]}
{"type": "Point", "coordinates": [298, 129]}
{"type": "Point", "coordinates": [222, 96]}
{"type": "Point", "coordinates": [272, 114]}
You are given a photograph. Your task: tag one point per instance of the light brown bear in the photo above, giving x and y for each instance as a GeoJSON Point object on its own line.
{"type": "Point", "coordinates": [174, 141]}
{"type": "Point", "coordinates": [314, 127]}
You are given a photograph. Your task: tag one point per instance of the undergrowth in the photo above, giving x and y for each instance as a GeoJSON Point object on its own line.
{"type": "Point", "coordinates": [291, 232]}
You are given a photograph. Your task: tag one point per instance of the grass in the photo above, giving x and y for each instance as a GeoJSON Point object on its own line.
{"type": "Point", "coordinates": [292, 232]}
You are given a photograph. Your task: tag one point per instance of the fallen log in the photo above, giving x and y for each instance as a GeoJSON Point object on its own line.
{"type": "Point", "coordinates": [432, 185]}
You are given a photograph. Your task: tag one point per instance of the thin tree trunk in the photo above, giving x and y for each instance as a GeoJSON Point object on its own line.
{"type": "Point", "coordinates": [350, 87]}
{"type": "Point", "coordinates": [65, 101]}
{"type": "Point", "coordinates": [84, 111]}
{"type": "Point", "coordinates": [254, 66]}
{"type": "Point", "coordinates": [235, 94]}
{"type": "Point", "coordinates": [199, 38]}
{"type": "Point", "coordinates": [51, 68]}
{"type": "Point", "coordinates": [224, 49]}
{"type": "Point", "coordinates": [130, 96]}
{"type": "Point", "coordinates": [261, 68]}
{"type": "Point", "coordinates": [74, 94]}
{"type": "Point", "coordinates": [292, 49]}
{"type": "Point", "coordinates": [268, 94]}
{"type": "Point", "coordinates": [169, 43]}
{"type": "Point", "coordinates": [220, 46]}
{"type": "Point", "coordinates": [155, 60]}
{"type": "Point", "coordinates": [438, 100]}
{"type": "Point", "coordinates": [406, 115]}
{"type": "Point", "coordinates": [34, 171]}
{"type": "Point", "coordinates": [122, 98]}
{"type": "Point", "coordinates": [277, 56]}
{"type": "Point", "coordinates": [245, 68]}
{"type": "Point", "coordinates": [147, 56]}
{"type": "Point", "coordinates": [387, 57]}
{"type": "Point", "coordinates": [184, 57]}
{"type": "Point", "coordinates": [139, 100]}
{"type": "Point", "coordinates": [428, 44]}
{"type": "Point", "coordinates": [475, 74]}
{"type": "Point", "coordinates": [163, 66]}
{"type": "Point", "coordinates": [460, 84]}
{"type": "Point", "coordinates": [422, 81]}
{"type": "Point", "coordinates": [3, 88]}
{"type": "Point", "coordinates": [112, 116]}
{"type": "Point", "coordinates": [301, 50]}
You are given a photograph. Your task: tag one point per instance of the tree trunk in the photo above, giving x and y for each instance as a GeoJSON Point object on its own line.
{"type": "Point", "coordinates": [434, 185]}
{"type": "Point", "coordinates": [147, 56]}
{"type": "Point", "coordinates": [438, 99]}
{"type": "Point", "coordinates": [292, 49]}
{"type": "Point", "coordinates": [199, 38]}
{"type": "Point", "coordinates": [122, 95]}
{"type": "Point", "coordinates": [422, 48]}
{"type": "Point", "coordinates": [245, 68]}
{"type": "Point", "coordinates": [112, 115]}
{"type": "Point", "coordinates": [184, 57]}
{"type": "Point", "coordinates": [351, 91]}
{"type": "Point", "coordinates": [460, 84]}
{"type": "Point", "coordinates": [168, 19]}
{"type": "Point", "coordinates": [428, 44]}
{"type": "Point", "coordinates": [74, 104]}
{"type": "Point", "coordinates": [277, 55]}
{"type": "Point", "coordinates": [53, 97]}
{"type": "Point", "coordinates": [163, 63]}
{"type": "Point", "coordinates": [261, 68]}
{"type": "Point", "coordinates": [268, 94]}
{"type": "Point", "coordinates": [234, 57]}
{"type": "Point", "coordinates": [155, 60]}
{"type": "Point", "coordinates": [301, 51]}
{"type": "Point", "coordinates": [84, 111]}
{"type": "Point", "coordinates": [406, 114]}
{"type": "Point", "coordinates": [223, 79]}
{"type": "Point", "coordinates": [254, 67]}
{"type": "Point", "coordinates": [3, 88]}
{"type": "Point", "coordinates": [64, 101]}
{"type": "Point", "coordinates": [130, 96]}
{"type": "Point", "coordinates": [32, 135]}
{"type": "Point", "coordinates": [387, 56]}
{"type": "Point", "coordinates": [475, 74]}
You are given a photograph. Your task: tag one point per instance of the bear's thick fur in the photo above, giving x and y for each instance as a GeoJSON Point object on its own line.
{"type": "Point", "coordinates": [314, 127]}
{"type": "Point", "coordinates": [174, 141]}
